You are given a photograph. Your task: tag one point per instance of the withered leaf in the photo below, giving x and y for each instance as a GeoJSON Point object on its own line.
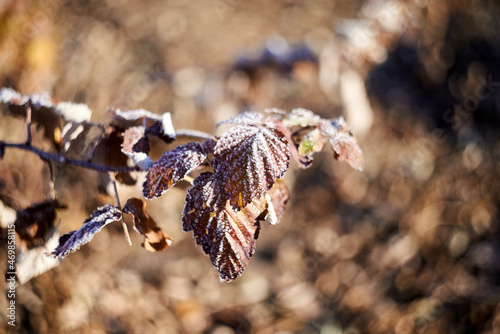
{"type": "Point", "coordinates": [249, 159]}
{"type": "Point", "coordinates": [156, 125]}
{"type": "Point", "coordinates": [343, 142]}
{"type": "Point", "coordinates": [80, 140]}
{"type": "Point", "coordinates": [73, 240]}
{"type": "Point", "coordinates": [277, 198]}
{"type": "Point", "coordinates": [155, 239]}
{"type": "Point", "coordinates": [113, 156]}
{"type": "Point", "coordinates": [227, 236]}
{"type": "Point", "coordinates": [46, 112]}
{"type": "Point", "coordinates": [171, 168]}
{"type": "Point", "coordinates": [34, 223]}
{"type": "Point", "coordinates": [136, 147]}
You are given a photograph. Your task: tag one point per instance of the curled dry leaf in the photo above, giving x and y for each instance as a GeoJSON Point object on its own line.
{"type": "Point", "coordinates": [80, 140]}
{"type": "Point", "coordinates": [248, 160]}
{"type": "Point", "coordinates": [343, 142]}
{"type": "Point", "coordinates": [73, 240]}
{"type": "Point", "coordinates": [46, 112]}
{"type": "Point", "coordinates": [155, 239]}
{"type": "Point", "coordinates": [226, 235]}
{"type": "Point", "coordinates": [171, 168]}
{"type": "Point", "coordinates": [156, 125]}
{"type": "Point", "coordinates": [277, 198]}
{"type": "Point", "coordinates": [34, 224]}
{"type": "Point", "coordinates": [136, 146]}
{"type": "Point", "coordinates": [113, 155]}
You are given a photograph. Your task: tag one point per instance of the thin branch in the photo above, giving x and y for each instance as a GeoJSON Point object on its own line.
{"type": "Point", "coordinates": [68, 161]}
{"type": "Point", "coordinates": [52, 191]}
{"type": "Point", "coordinates": [194, 134]}
{"type": "Point", "coordinates": [28, 126]}
{"type": "Point", "coordinates": [124, 226]}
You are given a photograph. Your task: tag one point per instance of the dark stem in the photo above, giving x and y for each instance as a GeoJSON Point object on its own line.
{"type": "Point", "coordinates": [68, 161]}
{"type": "Point", "coordinates": [124, 226]}
{"type": "Point", "coordinates": [28, 126]}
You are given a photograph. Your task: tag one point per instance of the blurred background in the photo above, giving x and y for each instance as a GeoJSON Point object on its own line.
{"type": "Point", "coordinates": [410, 245]}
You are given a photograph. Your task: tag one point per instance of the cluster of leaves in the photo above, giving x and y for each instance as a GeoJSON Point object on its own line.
{"type": "Point", "coordinates": [238, 183]}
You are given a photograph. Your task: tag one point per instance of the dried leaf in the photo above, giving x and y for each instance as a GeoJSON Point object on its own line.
{"type": "Point", "coordinates": [46, 112]}
{"type": "Point", "coordinates": [34, 223]}
{"type": "Point", "coordinates": [171, 168]}
{"type": "Point", "coordinates": [343, 142]}
{"type": "Point", "coordinates": [73, 240]}
{"type": "Point", "coordinates": [277, 198]}
{"type": "Point", "coordinates": [136, 146]}
{"type": "Point", "coordinates": [113, 156]}
{"type": "Point", "coordinates": [156, 125]}
{"type": "Point", "coordinates": [155, 239]}
{"type": "Point", "coordinates": [249, 159]}
{"type": "Point", "coordinates": [227, 236]}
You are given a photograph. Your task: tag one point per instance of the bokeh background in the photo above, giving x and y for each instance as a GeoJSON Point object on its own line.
{"type": "Point", "coordinates": [410, 245]}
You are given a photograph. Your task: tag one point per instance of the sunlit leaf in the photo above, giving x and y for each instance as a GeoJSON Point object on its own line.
{"type": "Point", "coordinates": [227, 236]}
{"type": "Point", "coordinates": [156, 125]}
{"type": "Point", "coordinates": [277, 198]}
{"type": "Point", "coordinates": [249, 159]}
{"type": "Point", "coordinates": [155, 239]}
{"type": "Point", "coordinates": [136, 146]}
{"type": "Point", "coordinates": [73, 240]}
{"type": "Point", "coordinates": [171, 168]}
{"type": "Point", "coordinates": [343, 142]}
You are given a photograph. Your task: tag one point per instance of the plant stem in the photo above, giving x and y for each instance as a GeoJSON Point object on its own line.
{"type": "Point", "coordinates": [68, 161]}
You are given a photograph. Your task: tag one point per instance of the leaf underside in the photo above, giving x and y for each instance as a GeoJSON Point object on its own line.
{"type": "Point", "coordinates": [73, 240]}
{"type": "Point", "coordinates": [171, 168]}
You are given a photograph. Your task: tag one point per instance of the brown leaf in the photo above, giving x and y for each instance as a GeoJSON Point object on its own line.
{"type": "Point", "coordinates": [73, 240]}
{"type": "Point", "coordinates": [277, 198]}
{"type": "Point", "coordinates": [226, 235]}
{"type": "Point", "coordinates": [248, 160]}
{"type": "Point", "coordinates": [155, 239]}
{"type": "Point", "coordinates": [343, 142]}
{"type": "Point", "coordinates": [171, 168]}
{"type": "Point", "coordinates": [136, 146]}
{"type": "Point", "coordinates": [35, 222]}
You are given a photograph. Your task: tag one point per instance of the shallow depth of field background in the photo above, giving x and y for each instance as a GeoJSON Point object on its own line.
{"type": "Point", "coordinates": [410, 245]}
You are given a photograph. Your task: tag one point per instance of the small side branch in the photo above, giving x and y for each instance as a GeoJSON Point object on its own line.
{"type": "Point", "coordinates": [124, 226]}
{"type": "Point", "coordinates": [68, 161]}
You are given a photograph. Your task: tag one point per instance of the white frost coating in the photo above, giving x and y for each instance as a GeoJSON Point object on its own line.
{"type": "Point", "coordinates": [8, 94]}
{"type": "Point", "coordinates": [132, 115]}
{"type": "Point", "coordinates": [168, 127]}
{"type": "Point", "coordinates": [75, 239]}
{"type": "Point", "coordinates": [140, 159]}
{"type": "Point", "coordinates": [74, 112]}
{"type": "Point", "coordinates": [248, 117]}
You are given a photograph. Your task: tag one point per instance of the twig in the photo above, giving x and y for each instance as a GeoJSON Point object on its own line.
{"type": "Point", "coordinates": [52, 191]}
{"type": "Point", "coordinates": [68, 161]}
{"type": "Point", "coordinates": [28, 126]}
{"type": "Point", "coordinates": [124, 226]}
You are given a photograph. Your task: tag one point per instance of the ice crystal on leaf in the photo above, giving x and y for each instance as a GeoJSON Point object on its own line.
{"type": "Point", "coordinates": [171, 168]}
{"type": "Point", "coordinates": [249, 159]}
{"type": "Point", "coordinates": [245, 118]}
{"type": "Point", "coordinates": [73, 240]}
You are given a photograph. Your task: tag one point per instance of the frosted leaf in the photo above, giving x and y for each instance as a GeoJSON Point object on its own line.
{"type": "Point", "coordinates": [249, 159]}
{"type": "Point", "coordinates": [156, 125]}
{"type": "Point", "coordinates": [343, 142]}
{"type": "Point", "coordinates": [245, 118]}
{"type": "Point", "coordinates": [73, 240]}
{"type": "Point", "coordinates": [227, 236]}
{"type": "Point", "coordinates": [171, 168]}
{"type": "Point", "coordinates": [136, 147]}
{"type": "Point", "coordinates": [301, 117]}
{"type": "Point", "coordinates": [74, 112]}
{"type": "Point", "coordinates": [155, 239]}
